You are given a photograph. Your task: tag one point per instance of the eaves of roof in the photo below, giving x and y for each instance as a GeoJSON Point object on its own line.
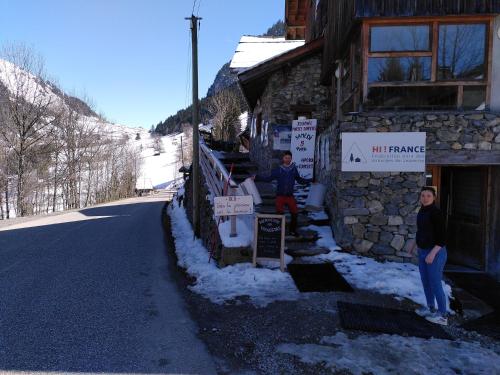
{"type": "Point", "coordinates": [253, 80]}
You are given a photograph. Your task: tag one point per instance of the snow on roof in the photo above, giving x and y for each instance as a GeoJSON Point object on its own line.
{"type": "Point", "coordinates": [252, 50]}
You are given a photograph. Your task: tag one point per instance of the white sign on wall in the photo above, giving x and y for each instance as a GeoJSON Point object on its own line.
{"type": "Point", "coordinates": [233, 205]}
{"type": "Point", "coordinates": [282, 136]}
{"type": "Point", "coordinates": [303, 146]}
{"type": "Point", "coordinates": [383, 152]}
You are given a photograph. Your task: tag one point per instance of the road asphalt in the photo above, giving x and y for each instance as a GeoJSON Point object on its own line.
{"type": "Point", "coordinates": [90, 292]}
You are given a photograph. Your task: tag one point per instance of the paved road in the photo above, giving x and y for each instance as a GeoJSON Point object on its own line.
{"type": "Point", "coordinates": [90, 292]}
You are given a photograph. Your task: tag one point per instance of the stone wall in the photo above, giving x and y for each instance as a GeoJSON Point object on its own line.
{"type": "Point", "coordinates": [298, 85]}
{"type": "Point", "coordinates": [375, 213]}
{"type": "Point", "coordinates": [207, 222]}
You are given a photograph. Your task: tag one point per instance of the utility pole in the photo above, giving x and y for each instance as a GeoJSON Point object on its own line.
{"type": "Point", "coordinates": [196, 142]}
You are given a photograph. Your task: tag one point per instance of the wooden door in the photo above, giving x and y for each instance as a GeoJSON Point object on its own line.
{"type": "Point", "coordinates": [464, 195]}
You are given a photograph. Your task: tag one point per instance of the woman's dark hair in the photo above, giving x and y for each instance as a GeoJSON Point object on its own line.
{"type": "Point", "coordinates": [429, 188]}
{"type": "Point", "coordinates": [287, 153]}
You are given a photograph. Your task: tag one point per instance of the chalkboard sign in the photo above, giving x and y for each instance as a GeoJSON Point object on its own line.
{"type": "Point", "coordinates": [269, 239]}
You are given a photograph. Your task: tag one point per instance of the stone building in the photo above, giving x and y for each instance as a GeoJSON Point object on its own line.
{"type": "Point", "coordinates": [421, 66]}
{"type": "Point", "coordinates": [279, 91]}
{"type": "Point", "coordinates": [429, 66]}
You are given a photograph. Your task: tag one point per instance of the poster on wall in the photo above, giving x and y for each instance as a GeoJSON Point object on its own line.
{"type": "Point", "coordinates": [383, 152]}
{"type": "Point", "coordinates": [282, 137]}
{"type": "Point", "coordinates": [303, 146]}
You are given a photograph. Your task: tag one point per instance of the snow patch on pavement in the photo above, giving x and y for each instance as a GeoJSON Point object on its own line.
{"type": "Point", "coordinates": [402, 280]}
{"type": "Point", "coordinates": [391, 354]}
{"type": "Point", "coordinates": [262, 286]}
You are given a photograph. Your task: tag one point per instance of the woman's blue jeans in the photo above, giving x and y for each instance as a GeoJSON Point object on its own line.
{"type": "Point", "coordinates": [432, 276]}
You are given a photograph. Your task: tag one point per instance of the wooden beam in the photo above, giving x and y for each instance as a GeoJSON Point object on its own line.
{"type": "Point", "coordinates": [365, 46]}
{"type": "Point", "coordinates": [435, 45]}
{"type": "Point", "coordinates": [420, 20]}
{"type": "Point", "coordinates": [401, 54]}
{"type": "Point", "coordinates": [489, 53]}
{"type": "Point", "coordinates": [463, 157]}
{"type": "Point", "coordinates": [427, 83]}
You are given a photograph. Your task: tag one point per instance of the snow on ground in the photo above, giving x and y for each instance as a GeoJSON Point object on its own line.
{"type": "Point", "coordinates": [391, 354]}
{"type": "Point", "coordinates": [160, 170]}
{"type": "Point", "coordinates": [402, 280]}
{"type": "Point", "coordinates": [261, 285]}
{"type": "Point", "coordinates": [244, 229]}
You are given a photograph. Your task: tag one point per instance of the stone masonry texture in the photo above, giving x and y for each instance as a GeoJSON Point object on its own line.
{"type": "Point", "coordinates": [375, 213]}
{"type": "Point", "coordinates": [291, 86]}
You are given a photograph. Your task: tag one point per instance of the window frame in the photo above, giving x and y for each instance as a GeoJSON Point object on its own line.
{"type": "Point", "coordinates": [434, 23]}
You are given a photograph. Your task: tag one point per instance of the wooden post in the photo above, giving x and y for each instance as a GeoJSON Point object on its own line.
{"type": "Point", "coordinates": [340, 72]}
{"type": "Point", "coordinates": [196, 143]}
{"type": "Point", "coordinates": [234, 230]}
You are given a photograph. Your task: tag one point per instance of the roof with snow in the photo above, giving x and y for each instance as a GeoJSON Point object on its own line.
{"type": "Point", "coordinates": [253, 80]}
{"type": "Point", "coordinates": [253, 50]}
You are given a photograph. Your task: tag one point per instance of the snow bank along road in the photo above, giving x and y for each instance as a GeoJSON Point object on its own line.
{"type": "Point", "coordinates": [89, 292]}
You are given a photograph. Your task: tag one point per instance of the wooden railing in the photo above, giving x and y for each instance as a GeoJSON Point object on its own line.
{"type": "Point", "coordinates": [218, 180]}
{"type": "Point", "coordinates": [216, 174]}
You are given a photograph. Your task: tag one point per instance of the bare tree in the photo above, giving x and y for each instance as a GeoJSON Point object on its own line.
{"type": "Point", "coordinates": [53, 147]}
{"type": "Point", "coordinates": [157, 143]}
{"type": "Point", "coordinates": [185, 147]}
{"type": "Point", "coordinates": [29, 111]}
{"type": "Point", "coordinates": [225, 111]}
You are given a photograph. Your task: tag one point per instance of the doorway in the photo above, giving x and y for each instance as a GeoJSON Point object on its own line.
{"type": "Point", "coordinates": [463, 197]}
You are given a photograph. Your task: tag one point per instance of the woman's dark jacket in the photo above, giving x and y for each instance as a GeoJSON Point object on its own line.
{"type": "Point", "coordinates": [430, 227]}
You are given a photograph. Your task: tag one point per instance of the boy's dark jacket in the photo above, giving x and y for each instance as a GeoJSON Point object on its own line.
{"type": "Point", "coordinates": [286, 177]}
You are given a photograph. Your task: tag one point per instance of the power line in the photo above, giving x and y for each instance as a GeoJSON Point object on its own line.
{"type": "Point", "coordinates": [198, 9]}
{"type": "Point", "coordinates": [194, 6]}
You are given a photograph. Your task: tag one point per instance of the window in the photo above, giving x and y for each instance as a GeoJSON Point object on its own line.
{"type": "Point", "coordinates": [400, 38]}
{"type": "Point", "coordinates": [474, 98]}
{"type": "Point", "coordinates": [462, 50]}
{"type": "Point", "coordinates": [407, 97]}
{"type": "Point", "coordinates": [426, 65]}
{"type": "Point", "coordinates": [399, 69]}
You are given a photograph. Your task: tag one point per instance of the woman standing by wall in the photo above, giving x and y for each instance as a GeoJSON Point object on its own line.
{"type": "Point", "coordinates": [432, 255]}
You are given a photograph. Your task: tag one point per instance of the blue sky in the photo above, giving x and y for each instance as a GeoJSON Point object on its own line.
{"type": "Point", "coordinates": [131, 56]}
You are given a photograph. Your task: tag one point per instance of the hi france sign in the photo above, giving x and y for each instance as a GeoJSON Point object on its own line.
{"type": "Point", "coordinates": [303, 146]}
{"type": "Point", "coordinates": [383, 152]}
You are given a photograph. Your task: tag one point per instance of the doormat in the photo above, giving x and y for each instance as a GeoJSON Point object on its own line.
{"type": "Point", "coordinates": [322, 277]}
{"type": "Point", "coordinates": [391, 321]}
{"type": "Point", "coordinates": [488, 325]}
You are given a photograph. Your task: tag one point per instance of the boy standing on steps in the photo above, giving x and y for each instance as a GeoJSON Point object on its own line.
{"type": "Point", "coordinates": [286, 175]}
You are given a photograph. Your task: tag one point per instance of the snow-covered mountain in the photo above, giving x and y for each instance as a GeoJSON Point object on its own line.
{"type": "Point", "coordinates": [21, 84]}
{"type": "Point", "coordinates": [87, 159]}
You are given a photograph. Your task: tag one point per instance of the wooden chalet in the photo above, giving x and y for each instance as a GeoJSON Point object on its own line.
{"type": "Point", "coordinates": [431, 54]}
